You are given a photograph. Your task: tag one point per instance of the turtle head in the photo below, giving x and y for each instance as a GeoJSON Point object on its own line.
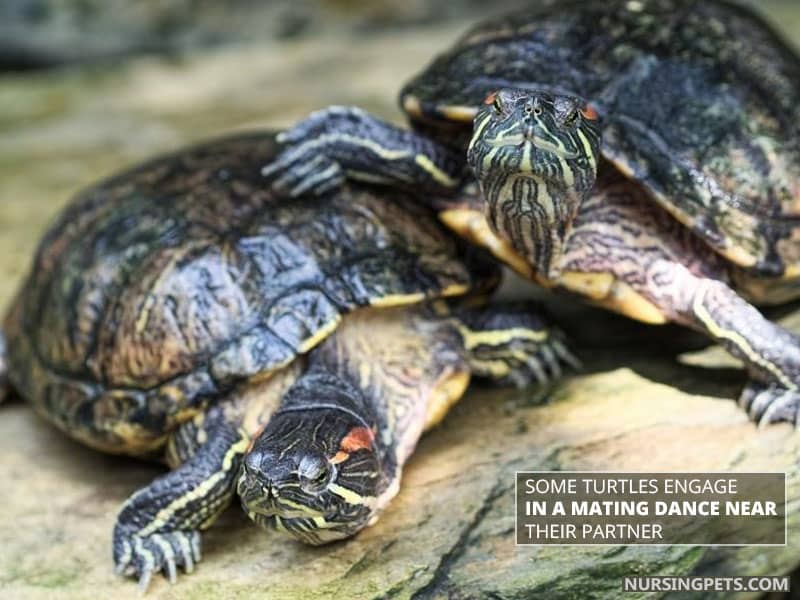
{"type": "Point", "coordinates": [535, 157]}
{"type": "Point", "coordinates": [313, 473]}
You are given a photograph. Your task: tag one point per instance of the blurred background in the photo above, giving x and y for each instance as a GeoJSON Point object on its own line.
{"type": "Point", "coordinates": [43, 33]}
{"type": "Point", "coordinates": [47, 33]}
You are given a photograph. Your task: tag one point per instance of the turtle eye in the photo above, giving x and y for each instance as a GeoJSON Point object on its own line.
{"type": "Point", "coordinates": [321, 477]}
{"type": "Point", "coordinates": [314, 473]}
{"type": "Point", "coordinates": [497, 104]}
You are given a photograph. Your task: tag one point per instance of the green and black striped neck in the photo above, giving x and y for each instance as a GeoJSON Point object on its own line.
{"type": "Point", "coordinates": [535, 157]}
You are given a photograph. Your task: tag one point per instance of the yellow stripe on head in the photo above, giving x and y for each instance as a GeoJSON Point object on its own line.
{"type": "Point", "coordinates": [479, 130]}
{"type": "Point", "coordinates": [350, 496]}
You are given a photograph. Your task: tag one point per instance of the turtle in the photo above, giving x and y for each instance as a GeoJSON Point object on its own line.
{"type": "Point", "coordinates": [291, 350]}
{"type": "Point", "coordinates": [641, 154]}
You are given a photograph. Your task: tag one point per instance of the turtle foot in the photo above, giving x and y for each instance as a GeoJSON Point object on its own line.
{"type": "Point", "coordinates": [307, 164]}
{"type": "Point", "coordinates": [343, 142]}
{"type": "Point", "coordinates": [546, 364]}
{"type": "Point", "coordinates": [768, 404]}
{"type": "Point", "coordinates": [141, 556]}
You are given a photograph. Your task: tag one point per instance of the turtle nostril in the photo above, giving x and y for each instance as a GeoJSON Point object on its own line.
{"type": "Point", "coordinates": [269, 490]}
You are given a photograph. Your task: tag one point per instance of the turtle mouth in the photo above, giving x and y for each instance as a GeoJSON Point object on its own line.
{"type": "Point", "coordinates": [530, 138]}
{"type": "Point", "coordinates": [283, 513]}
{"type": "Point", "coordinates": [266, 504]}
{"type": "Point", "coordinates": [307, 529]}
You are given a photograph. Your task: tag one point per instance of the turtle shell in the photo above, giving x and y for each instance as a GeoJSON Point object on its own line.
{"type": "Point", "coordinates": [700, 101]}
{"type": "Point", "coordinates": [167, 285]}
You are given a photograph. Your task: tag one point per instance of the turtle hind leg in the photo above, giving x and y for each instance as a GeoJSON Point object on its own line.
{"type": "Point", "coordinates": [770, 353]}
{"type": "Point", "coordinates": [157, 529]}
{"type": "Point", "coordinates": [513, 343]}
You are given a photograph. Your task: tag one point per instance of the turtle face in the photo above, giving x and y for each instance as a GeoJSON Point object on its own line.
{"type": "Point", "coordinates": [535, 156]}
{"type": "Point", "coordinates": [521, 132]}
{"type": "Point", "coordinates": [314, 474]}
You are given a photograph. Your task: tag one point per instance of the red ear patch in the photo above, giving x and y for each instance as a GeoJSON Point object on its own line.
{"type": "Point", "coordinates": [490, 98]}
{"type": "Point", "coordinates": [358, 438]}
{"type": "Point", "coordinates": [589, 112]}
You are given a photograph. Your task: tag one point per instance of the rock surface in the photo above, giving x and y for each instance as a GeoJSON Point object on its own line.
{"type": "Point", "coordinates": [646, 400]}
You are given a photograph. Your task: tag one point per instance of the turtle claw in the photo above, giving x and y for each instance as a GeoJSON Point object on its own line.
{"type": "Point", "coordinates": [144, 580]}
{"type": "Point", "coordinates": [769, 404]}
{"type": "Point", "coordinates": [171, 571]}
{"type": "Point", "coordinates": [306, 165]}
{"type": "Point", "coordinates": [566, 355]}
{"type": "Point", "coordinates": [327, 120]}
{"type": "Point", "coordinates": [554, 355]}
{"type": "Point", "coordinates": [304, 169]}
{"type": "Point", "coordinates": [142, 556]}
{"type": "Point", "coordinates": [545, 364]}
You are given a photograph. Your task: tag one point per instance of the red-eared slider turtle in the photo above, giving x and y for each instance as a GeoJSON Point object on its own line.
{"type": "Point", "coordinates": [166, 312]}
{"type": "Point", "coordinates": [642, 153]}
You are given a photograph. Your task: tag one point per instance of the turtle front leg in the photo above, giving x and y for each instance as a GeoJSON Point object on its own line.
{"type": "Point", "coordinates": [342, 142]}
{"type": "Point", "coordinates": [770, 353]}
{"type": "Point", "coordinates": [513, 343]}
{"type": "Point", "coordinates": [158, 527]}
